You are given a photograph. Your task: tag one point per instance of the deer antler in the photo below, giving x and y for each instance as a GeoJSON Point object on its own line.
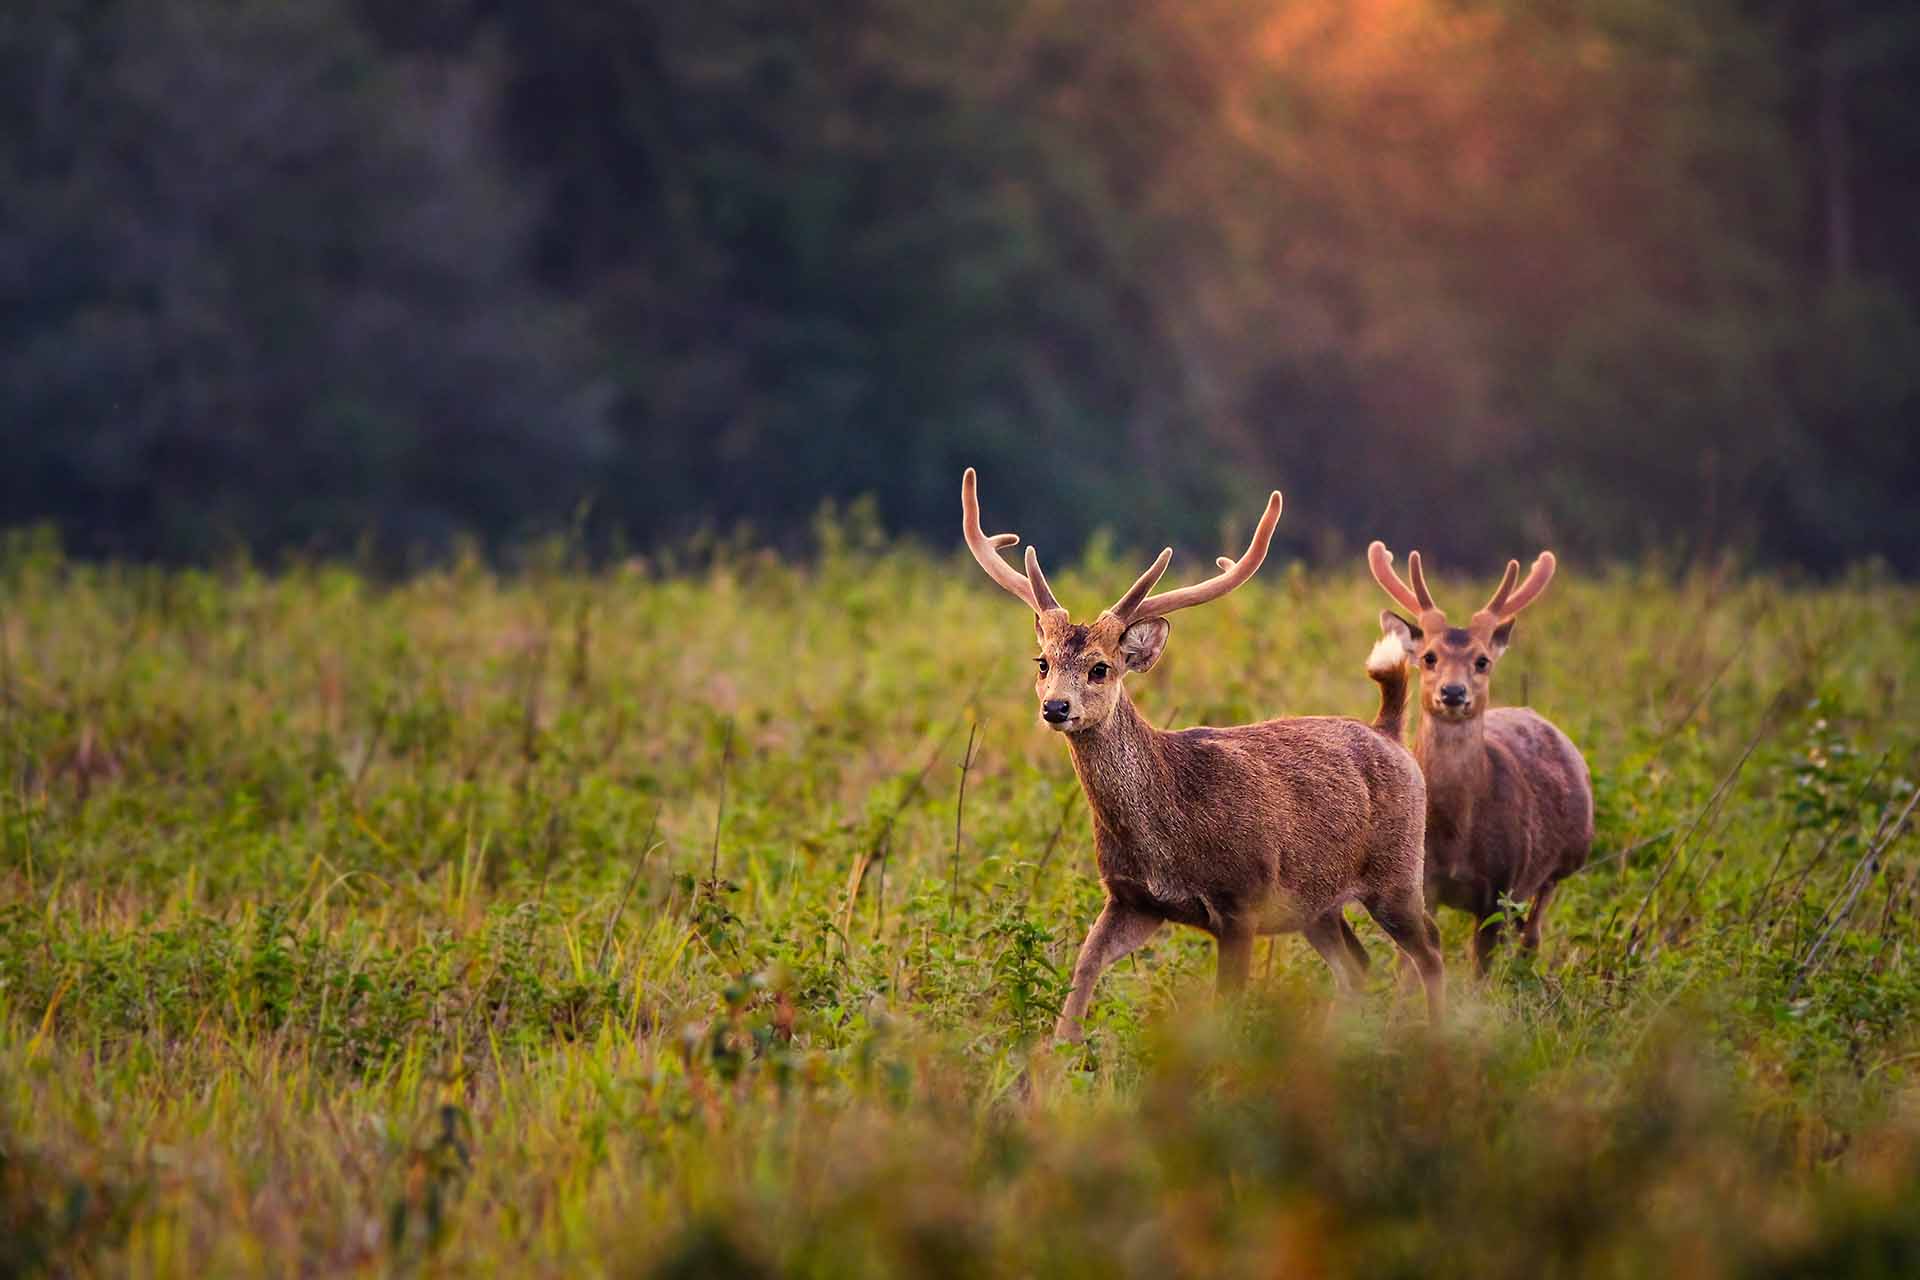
{"type": "Point", "coordinates": [1233, 573]}
{"type": "Point", "coordinates": [1507, 601]}
{"type": "Point", "coordinates": [1124, 608]}
{"type": "Point", "coordinates": [987, 550]}
{"type": "Point", "coordinates": [1416, 598]}
{"type": "Point", "coordinates": [1043, 601]}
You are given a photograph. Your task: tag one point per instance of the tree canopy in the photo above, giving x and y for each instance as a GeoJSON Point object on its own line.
{"type": "Point", "coordinates": [1469, 274]}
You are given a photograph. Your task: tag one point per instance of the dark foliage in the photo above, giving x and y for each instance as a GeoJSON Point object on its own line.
{"type": "Point", "coordinates": [1619, 274]}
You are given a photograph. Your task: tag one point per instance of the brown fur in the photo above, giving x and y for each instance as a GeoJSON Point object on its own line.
{"type": "Point", "coordinates": [1509, 797]}
{"type": "Point", "coordinates": [1254, 829]}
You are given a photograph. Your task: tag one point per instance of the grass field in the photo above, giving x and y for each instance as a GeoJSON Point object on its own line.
{"type": "Point", "coordinates": [633, 922]}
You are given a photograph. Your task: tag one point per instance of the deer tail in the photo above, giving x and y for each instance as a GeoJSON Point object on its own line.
{"type": "Point", "coordinates": [1387, 667]}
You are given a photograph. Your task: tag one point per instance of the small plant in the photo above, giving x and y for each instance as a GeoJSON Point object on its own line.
{"type": "Point", "coordinates": [1028, 986]}
{"type": "Point", "coordinates": [270, 968]}
{"type": "Point", "coordinates": [1827, 774]}
{"type": "Point", "coordinates": [713, 919]}
{"type": "Point", "coordinates": [1507, 912]}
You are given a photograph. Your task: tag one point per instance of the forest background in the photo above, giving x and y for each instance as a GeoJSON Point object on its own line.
{"type": "Point", "coordinates": [344, 277]}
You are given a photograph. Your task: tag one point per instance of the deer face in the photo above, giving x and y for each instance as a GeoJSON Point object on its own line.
{"type": "Point", "coordinates": [1456, 663]}
{"type": "Point", "coordinates": [1079, 669]}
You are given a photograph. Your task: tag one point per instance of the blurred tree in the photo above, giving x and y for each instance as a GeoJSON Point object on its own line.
{"type": "Point", "coordinates": [261, 289]}
{"type": "Point", "coordinates": [850, 247]}
{"type": "Point", "coordinates": [1476, 274]}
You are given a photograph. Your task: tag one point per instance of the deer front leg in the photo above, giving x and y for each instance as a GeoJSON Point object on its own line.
{"type": "Point", "coordinates": [1486, 939]}
{"type": "Point", "coordinates": [1489, 924]}
{"type": "Point", "coordinates": [1118, 931]}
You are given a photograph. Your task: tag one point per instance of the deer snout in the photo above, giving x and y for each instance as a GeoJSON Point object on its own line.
{"type": "Point", "coordinates": [1453, 695]}
{"type": "Point", "coordinates": [1055, 710]}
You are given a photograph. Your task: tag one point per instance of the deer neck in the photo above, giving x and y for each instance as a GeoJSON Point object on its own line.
{"type": "Point", "coordinates": [1453, 755]}
{"type": "Point", "coordinates": [1122, 770]}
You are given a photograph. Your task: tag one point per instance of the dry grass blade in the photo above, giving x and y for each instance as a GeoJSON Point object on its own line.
{"type": "Point", "coordinates": [633, 880]}
{"type": "Point", "coordinates": [1834, 831]}
{"type": "Point", "coordinates": [1713, 801]}
{"type": "Point", "coordinates": [1862, 876]}
{"type": "Point", "coordinates": [1053, 842]}
{"type": "Point", "coordinates": [876, 852]}
{"type": "Point", "coordinates": [959, 817]}
{"type": "Point", "coordinates": [720, 805]}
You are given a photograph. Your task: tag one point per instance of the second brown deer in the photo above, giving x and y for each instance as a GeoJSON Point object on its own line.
{"type": "Point", "coordinates": [1509, 799]}
{"type": "Point", "coordinates": [1253, 829]}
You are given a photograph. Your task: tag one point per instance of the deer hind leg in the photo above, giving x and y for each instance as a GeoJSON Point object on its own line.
{"type": "Point", "coordinates": [1235, 943]}
{"type": "Point", "coordinates": [1354, 949]}
{"type": "Point", "coordinates": [1118, 931]}
{"type": "Point", "coordinates": [1404, 917]}
{"type": "Point", "coordinates": [1333, 938]}
{"type": "Point", "coordinates": [1536, 911]}
{"type": "Point", "coordinates": [1409, 972]}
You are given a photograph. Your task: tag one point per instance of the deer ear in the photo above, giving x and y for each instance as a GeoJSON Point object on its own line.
{"type": "Point", "coordinates": [1500, 637]}
{"type": "Point", "coordinates": [1393, 624]}
{"type": "Point", "coordinates": [1141, 645]}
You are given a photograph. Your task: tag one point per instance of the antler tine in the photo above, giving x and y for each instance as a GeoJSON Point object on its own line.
{"type": "Point", "coordinates": [1043, 600]}
{"type": "Point", "coordinates": [1221, 583]}
{"type": "Point", "coordinates": [987, 550]}
{"type": "Point", "coordinates": [1505, 589]}
{"type": "Point", "coordinates": [1418, 572]}
{"type": "Point", "coordinates": [1508, 601]}
{"type": "Point", "coordinates": [1124, 608]}
{"type": "Point", "coordinates": [1380, 560]}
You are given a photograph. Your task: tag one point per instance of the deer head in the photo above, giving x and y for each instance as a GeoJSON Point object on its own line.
{"type": "Point", "coordinates": [1080, 667]}
{"type": "Point", "coordinates": [1456, 663]}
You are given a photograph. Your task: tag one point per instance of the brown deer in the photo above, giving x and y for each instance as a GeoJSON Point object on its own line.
{"type": "Point", "coordinates": [1254, 829]}
{"type": "Point", "coordinates": [1509, 800]}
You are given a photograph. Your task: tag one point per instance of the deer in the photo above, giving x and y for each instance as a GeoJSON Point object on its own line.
{"type": "Point", "coordinates": [1241, 831]}
{"type": "Point", "coordinates": [1509, 797]}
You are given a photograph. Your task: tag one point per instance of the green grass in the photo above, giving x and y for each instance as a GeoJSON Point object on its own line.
{"type": "Point", "coordinates": [349, 927]}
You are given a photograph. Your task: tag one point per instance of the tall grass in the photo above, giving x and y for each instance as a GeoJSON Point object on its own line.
{"type": "Point", "coordinates": [574, 921]}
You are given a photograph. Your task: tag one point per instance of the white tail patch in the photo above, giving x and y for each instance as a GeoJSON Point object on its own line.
{"type": "Point", "coordinates": [1387, 656]}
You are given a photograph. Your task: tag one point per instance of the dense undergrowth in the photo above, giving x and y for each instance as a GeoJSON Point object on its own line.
{"type": "Point", "coordinates": [631, 921]}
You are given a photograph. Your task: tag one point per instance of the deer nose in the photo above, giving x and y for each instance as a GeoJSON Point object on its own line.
{"type": "Point", "coordinates": [1054, 710]}
{"type": "Point", "coordinates": [1453, 695]}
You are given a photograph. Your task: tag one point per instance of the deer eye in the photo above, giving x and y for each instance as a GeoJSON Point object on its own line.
{"type": "Point", "coordinates": [1043, 665]}
{"type": "Point", "coordinates": [1430, 659]}
{"type": "Point", "coordinates": [1480, 663]}
{"type": "Point", "coordinates": [1097, 672]}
